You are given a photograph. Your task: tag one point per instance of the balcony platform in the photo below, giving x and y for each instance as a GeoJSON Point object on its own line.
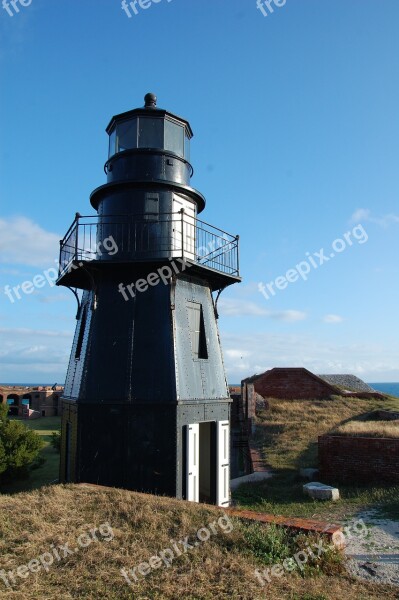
{"type": "Point", "coordinates": [81, 274]}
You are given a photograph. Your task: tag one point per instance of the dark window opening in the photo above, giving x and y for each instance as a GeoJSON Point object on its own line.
{"type": "Point", "coordinates": [79, 343]}
{"type": "Point", "coordinates": [197, 330]}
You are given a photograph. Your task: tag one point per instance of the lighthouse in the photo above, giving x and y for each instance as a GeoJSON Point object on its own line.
{"type": "Point", "coordinates": [146, 405]}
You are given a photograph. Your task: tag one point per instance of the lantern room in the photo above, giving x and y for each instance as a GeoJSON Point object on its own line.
{"type": "Point", "coordinates": [154, 130]}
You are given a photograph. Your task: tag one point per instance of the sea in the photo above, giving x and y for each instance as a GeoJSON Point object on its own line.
{"type": "Point", "coordinates": [386, 388]}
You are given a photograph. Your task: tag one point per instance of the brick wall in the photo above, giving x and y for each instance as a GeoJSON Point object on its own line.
{"type": "Point", "coordinates": [242, 423]}
{"type": "Point", "coordinates": [344, 459]}
{"type": "Point", "coordinates": [257, 463]}
{"type": "Point", "coordinates": [292, 384]}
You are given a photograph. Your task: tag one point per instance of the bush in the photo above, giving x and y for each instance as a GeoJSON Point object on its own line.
{"type": "Point", "coordinates": [56, 441]}
{"type": "Point", "coordinates": [269, 544]}
{"type": "Point", "coordinates": [19, 448]}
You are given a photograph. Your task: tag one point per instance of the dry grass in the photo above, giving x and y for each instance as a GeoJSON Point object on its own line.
{"type": "Point", "coordinates": [368, 429]}
{"type": "Point", "coordinates": [287, 435]}
{"type": "Point", "coordinates": [288, 431]}
{"type": "Point", "coordinates": [142, 525]}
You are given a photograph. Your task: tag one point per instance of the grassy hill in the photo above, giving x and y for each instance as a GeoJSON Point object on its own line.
{"type": "Point", "coordinates": [72, 542]}
{"type": "Point", "coordinates": [121, 529]}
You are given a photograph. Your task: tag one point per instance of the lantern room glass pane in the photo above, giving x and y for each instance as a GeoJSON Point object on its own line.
{"type": "Point", "coordinates": [112, 140]}
{"type": "Point", "coordinates": [187, 147]}
{"type": "Point", "coordinates": [174, 138]}
{"type": "Point", "coordinates": [126, 135]}
{"type": "Point", "coordinates": [150, 133]}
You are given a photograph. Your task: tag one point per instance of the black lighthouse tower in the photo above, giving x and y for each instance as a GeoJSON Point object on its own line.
{"type": "Point", "coordinates": [146, 405]}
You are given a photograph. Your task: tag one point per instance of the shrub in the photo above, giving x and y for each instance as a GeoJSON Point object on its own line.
{"type": "Point", "coordinates": [19, 448]}
{"type": "Point", "coordinates": [56, 441]}
{"type": "Point", "coordinates": [269, 544]}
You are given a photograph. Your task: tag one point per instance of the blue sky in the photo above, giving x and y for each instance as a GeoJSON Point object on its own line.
{"type": "Point", "coordinates": [296, 128]}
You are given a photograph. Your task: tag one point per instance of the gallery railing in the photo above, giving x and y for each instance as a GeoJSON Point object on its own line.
{"type": "Point", "coordinates": [149, 237]}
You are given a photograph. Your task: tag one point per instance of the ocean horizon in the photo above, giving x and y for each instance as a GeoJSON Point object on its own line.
{"type": "Point", "coordinates": [391, 388]}
{"type": "Point", "coordinates": [386, 387]}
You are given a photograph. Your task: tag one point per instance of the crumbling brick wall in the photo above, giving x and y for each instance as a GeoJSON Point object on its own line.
{"type": "Point", "coordinates": [345, 459]}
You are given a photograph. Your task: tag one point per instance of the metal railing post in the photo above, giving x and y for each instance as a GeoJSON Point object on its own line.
{"type": "Point", "coordinates": [238, 253]}
{"type": "Point", "coordinates": [77, 216]}
{"type": "Point", "coordinates": [60, 268]}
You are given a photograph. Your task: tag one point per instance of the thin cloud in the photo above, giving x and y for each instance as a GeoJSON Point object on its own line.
{"type": "Point", "coordinates": [242, 308]}
{"type": "Point", "coordinates": [56, 298]}
{"type": "Point", "coordinates": [24, 242]}
{"type": "Point", "coordinates": [232, 353]}
{"type": "Point", "coordinates": [26, 352]}
{"type": "Point", "coordinates": [289, 315]}
{"type": "Point", "coordinates": [333, 319]}
{"type": "Point", "coordinates": [258, 352]}
{"type": "Point", "coordinates": [34, 332]}
{"type": "Point", "coordinates": [364, 214]}
{"type": "Point", "coordinates": [33, 355]}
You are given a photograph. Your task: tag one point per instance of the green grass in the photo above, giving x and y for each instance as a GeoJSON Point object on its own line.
{"type": "Point", "coordinates": [309, 597]}
{"type": "Point", "coordinates": [283, 495]}
{"type": "Point", "coordinates": [48, 471]}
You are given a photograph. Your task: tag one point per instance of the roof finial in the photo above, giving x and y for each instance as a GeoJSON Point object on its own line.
{"type": "Point", "coordinates": [150, 101]}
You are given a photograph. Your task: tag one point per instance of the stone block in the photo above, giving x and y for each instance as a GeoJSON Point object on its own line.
{"type": "Point", "coordinates": [320, 491]}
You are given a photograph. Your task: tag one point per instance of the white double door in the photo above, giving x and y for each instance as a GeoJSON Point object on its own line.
{"type": "Point", "coordinates": [193, 442]}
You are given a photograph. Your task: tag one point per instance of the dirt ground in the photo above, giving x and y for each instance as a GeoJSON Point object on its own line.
{"type": "Point", "coordinates": [375, 555]}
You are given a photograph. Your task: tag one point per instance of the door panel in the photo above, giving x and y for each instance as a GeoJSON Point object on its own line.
{"type": "Point", "coordinates": [192, 462]}
{"type": "Point", "coordinates": [184, 227]}
{"type": "Point", "coordinates": [223, 464]}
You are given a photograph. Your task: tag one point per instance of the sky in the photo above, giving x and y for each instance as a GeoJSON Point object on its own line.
{"type": "Point", "coordinates": [294, 108]}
